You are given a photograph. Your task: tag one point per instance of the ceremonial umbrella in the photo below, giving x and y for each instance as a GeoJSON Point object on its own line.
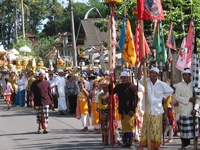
{"type": "Point", "coordinates": [14, 51]}
{"type": "Point", "coordinates": [25, 49]}
{"type": "Point", "coordinates": [2, 50]}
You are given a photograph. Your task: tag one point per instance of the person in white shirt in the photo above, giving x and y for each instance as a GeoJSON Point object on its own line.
{"type": "Point", "coordinates": [22, 82]}
{"type": "Point", "coordinates": [188, 108]}
{"type": "Point", "coordinates": [52, 82]}
{"type": "Point", "coordinates": [157, 90]}
{"type": "Point", "coordinates": [60, 92]}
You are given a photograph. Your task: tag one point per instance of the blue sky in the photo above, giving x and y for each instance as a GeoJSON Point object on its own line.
{"type": "Point", "coordinates": [74, 1]}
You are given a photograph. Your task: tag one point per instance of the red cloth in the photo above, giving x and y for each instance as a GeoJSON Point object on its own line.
{"type": "Point", "coordinates": [150, 10]}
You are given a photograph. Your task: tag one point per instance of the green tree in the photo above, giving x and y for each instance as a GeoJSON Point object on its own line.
{"type": "Point", "coordinates": [43, 46]}
{"type": "Point", "coordinates": [22, 42]}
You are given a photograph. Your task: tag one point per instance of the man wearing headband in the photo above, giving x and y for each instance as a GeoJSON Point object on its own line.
{"type": "Point", "coordinates": [157, 90]}
{"type": "Point", "coordinates": [128, 99]}
{"type": "Point", "coordinates": [188, 108]}
{"type": "Point", "coordinates": [42, 97]}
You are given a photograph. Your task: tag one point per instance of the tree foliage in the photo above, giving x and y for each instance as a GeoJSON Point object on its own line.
{"type": "Point", "coordinates": [59, 17]}
{"type": "Point", "coordinates": [24, 42]}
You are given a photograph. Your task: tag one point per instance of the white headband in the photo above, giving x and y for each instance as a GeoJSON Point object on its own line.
{"type": "Point", "coordinates": [42, 71]}
{"type": "Point", "coordinates": [124, 74]}
{"type": "Point", "coordinates": [187, 71]}
{"type": "Point", "coordinates": [60, 70]}
{"type": "Point", "coordinates": [155, 69]}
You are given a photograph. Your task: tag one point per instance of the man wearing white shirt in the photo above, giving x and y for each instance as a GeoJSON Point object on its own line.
{"type": "Point", "coordinates": [188, 107]}
{"type": "Point", "coordinates": [60, 92]}
{"type": "Point", "coordinates": [157, 90]}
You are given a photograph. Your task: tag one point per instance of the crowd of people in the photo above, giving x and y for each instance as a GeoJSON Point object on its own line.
{"type": "Point", "coordinates": [87, 96]}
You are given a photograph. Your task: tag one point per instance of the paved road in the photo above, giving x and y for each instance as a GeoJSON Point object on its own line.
{"type": "Point", "coordinates": [18, 132]}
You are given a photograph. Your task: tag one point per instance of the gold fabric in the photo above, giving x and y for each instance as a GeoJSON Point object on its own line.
{"type": "Point", "coordinates": [155, 126]}
{"type": "Point", "coordinates": [128, 124]}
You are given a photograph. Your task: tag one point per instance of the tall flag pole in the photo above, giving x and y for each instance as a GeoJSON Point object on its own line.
{"type": "Point", "coordinates": [112, 52]}
{"type": "Point", "coordinates": [112, 67]}
{"type": "Point", "coordinates": [146, 11]}
{"type": "Point", "coordinates": [171, 44]}
{"type": "Point", "coordinates": [195, 66]}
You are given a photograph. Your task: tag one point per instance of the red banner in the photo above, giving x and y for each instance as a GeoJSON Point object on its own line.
{"type": "Point", "coordinates": [150, 10]}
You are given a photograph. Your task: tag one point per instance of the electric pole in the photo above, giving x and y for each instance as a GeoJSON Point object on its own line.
{"type": "Point", "coordinates": [73, 34]}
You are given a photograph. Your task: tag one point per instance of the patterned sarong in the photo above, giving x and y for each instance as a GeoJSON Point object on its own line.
{"type": "Point", "coordinates": [186, 125]}
{"type": "Point", "coordinates": [42, 115]}
{"type": "Point", "coordinates": [155, 131]}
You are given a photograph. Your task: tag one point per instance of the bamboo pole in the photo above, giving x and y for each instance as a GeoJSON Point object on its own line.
{"type": "Point", "coordinates": [146, 89]}
{"type": "Point", "coordinates": [112, 68]}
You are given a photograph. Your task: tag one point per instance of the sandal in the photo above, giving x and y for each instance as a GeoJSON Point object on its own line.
{"type": "Point", "coordinates": [39, 131]}
{"type": "Point", "coordinates": [45, 131]}
{"type": "Point", "coordinates": [169, 141]}
{"type": "Point", "coordinates": [84, 130]}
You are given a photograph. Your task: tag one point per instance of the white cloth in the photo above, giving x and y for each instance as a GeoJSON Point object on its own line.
{"type": "Point", "coordinates": [62, 103]}
{"type": "Point", "coordinates": [183, 93]}
{"type": "Point", "coordinates": [156, 92]}
{"type": "Point", "coordinates": [174, 101]}
{"type": "Point", "coordinates": [52, 83]}
{"type": "Point", "coordinates": [22, 83]}
{"type": "Point", "coordinates": [155, 69]}
{"type": "Point", "coordinates": [85, 118]}
{"type": "Point", "coordinates": [61, 83]}
{"type": "Point", "coordinates": [124, 74]}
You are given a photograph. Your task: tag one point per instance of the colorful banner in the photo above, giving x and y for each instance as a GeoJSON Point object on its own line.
{"type": "Point", "coordinates": [150, 10]}
{"type": "Point", "coordinates": [129, 53]}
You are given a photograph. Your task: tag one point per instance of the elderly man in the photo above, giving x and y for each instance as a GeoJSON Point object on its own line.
{"type": "Point", "coordinates": [157, 90]}
{"type": "Point", "coordinates": [188, 108]}
{"type": "Point", "coordinates": [60, 92]}
{"type": "Point", "coordinates": [42, 97]}
{"type": "Point", "coordinates": [128, 99]}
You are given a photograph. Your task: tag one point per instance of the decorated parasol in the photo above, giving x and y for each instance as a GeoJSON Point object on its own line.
{"type": "Point", "coordinates": [25, 49]}
{"type": "Point", "coordinates": [2, 50]}
{"type": "Point", "coordinates": [14, 51]}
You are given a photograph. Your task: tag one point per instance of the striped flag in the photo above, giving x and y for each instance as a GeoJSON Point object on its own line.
{"type": "Point", "coordinates": [195, 66]}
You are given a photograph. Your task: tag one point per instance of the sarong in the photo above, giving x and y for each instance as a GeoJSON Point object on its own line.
{"type": "Point", "coordinates": [128, 124]}
{"type": "Point", "coordinates": [186, 125]}
{"type": "Point", "coordinates": [42, 115]}
{"type": "Point", "coordinates": [155, 131]}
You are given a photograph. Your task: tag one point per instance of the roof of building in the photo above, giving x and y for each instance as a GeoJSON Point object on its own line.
{"type": "Point", "coordinates": [93, 34]}
{"type": "Point", "coordinates": [29, 35]}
